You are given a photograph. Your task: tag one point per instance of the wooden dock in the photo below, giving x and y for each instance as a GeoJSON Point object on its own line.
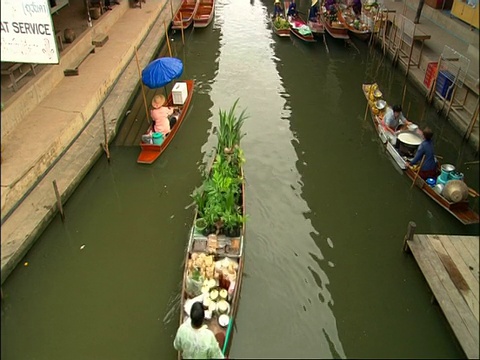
{"type": "Point", "coordinates": [450, 266]}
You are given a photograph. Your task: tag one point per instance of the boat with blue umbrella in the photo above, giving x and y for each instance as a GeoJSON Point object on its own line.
{"type": "Point", "coordinates": [156, 75]}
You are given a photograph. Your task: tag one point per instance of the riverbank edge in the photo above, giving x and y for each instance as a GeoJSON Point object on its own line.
{"type": "Point", "coordinates": [25, 225]}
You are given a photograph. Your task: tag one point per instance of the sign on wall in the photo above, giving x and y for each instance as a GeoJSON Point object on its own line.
{"type": "Point", "coordinates": [27, 31]}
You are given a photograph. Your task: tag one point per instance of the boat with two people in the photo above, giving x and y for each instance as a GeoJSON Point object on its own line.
{"type": "Point", "coordinates": [448, 189]}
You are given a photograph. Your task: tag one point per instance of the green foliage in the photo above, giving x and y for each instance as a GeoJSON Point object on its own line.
{"type": "Point", "coordinates": [229, 132]}
{"type": "Point", "coordinates": [219, 198]}
{"type": "Point", "coordinates": [281, 24]}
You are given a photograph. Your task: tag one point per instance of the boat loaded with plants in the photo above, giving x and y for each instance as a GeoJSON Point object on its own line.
{"type": "Point", "coordinates": [215, 252]}
{"type": "Point", "coordinates": [281, 26]}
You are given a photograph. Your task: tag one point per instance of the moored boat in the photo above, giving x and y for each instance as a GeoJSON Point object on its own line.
{"type": "Point", "coordinates": [204, 15]}
{"type": "Point", "coordinates": [458, 207]}
{"type": "Point", "coordinates": [316, 27]}
{"type": "Point", "coordinates": [335, 28]}
{"type": "Point", "coordinates": [281, 27]}
{"type": "Point", "coordinates": [150, 152]}
{"type": "Point", "coordinates": [355, 25]}
{"type": "Point", "coordinates": [214, 257]}
{"type": "Point", "coordinates": [300, 29]}
{"type": "Point", "coordinates": [184, 16]}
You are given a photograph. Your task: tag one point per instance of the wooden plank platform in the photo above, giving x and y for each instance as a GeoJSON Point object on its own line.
{"type": "Point", "coordinates": [450, 266]}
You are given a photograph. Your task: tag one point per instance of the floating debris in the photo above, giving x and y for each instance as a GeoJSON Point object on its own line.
{"type": "Point", "coordinates": [82, 247]}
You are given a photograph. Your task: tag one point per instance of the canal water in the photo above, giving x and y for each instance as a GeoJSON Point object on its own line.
{"type": "Point", "coordinates": [325, 275]}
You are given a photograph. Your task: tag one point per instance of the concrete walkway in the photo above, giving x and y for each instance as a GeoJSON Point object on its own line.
{"type": "Point", "coordinates": [52, 130]}
{"type": "Point", "coordinates": [72, 128]}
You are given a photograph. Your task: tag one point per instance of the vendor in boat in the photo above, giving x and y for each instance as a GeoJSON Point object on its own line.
{"type": "Point", "coordinates": [394, 118]}
{"type": "Point", "coordinates": [195, 340]}
{"type": "Point", "coordinates": [292, 9]}
{"type": "Point", "coordinates": [278, 9]}
{"type": "Point", "coordinates": [356, 7]}
{"type": "Point", "coordinates": [330, 6]}
{"type": "Point", "coordinates": [313, 13]}
{"type": "Point", "coordinates": [164, 118]}
{"type": "Point", "coordinates": [426, 152]}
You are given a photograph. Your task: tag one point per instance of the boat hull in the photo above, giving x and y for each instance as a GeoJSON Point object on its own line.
{"type": "Point", "coordinates": [337, 32]}
{"type": "Point", "coordinates": [184, 16]}
{"type": "Point", "coordinates": [150, 152]}
{"type": "Point", "coordinates": [204, 15]}
{"type": "Point", "coordinates": [461, 210]}
{"type": "Point", "coordinates": [307, 38]}
{"type": "Point", "coordinates": [280, 32]}
{"type": "Point", "coordinates": [212, 323]}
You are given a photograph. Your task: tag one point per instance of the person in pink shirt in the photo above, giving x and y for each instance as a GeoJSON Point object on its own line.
{"type": "Point", "coordinates": [164, 118]}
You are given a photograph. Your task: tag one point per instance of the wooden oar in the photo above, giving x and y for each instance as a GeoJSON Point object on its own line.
{"type": "Point", "coordinates": [416, 174]}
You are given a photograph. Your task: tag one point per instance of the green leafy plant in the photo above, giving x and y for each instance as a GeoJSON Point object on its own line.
{"type": "Point", "coordinates": [229, 131]}
{"type": "Point", "coordinates": [281, 24]}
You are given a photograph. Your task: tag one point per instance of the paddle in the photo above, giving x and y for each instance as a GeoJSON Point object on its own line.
{"type": "Point", "coordinates": [229, 330]}
{"type": "Point", "coordinates": [418, 171]}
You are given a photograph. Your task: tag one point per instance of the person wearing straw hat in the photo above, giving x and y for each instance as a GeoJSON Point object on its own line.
{"type": "Point", "coordinates": [278, 9]}
{"type": "Point", "coordinates": [164, 118]}
{"type": "Point", "coordinates": [313, 13]}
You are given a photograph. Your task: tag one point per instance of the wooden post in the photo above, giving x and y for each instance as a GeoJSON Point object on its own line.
{"type": "Point", "coordinates": [167, 39]}
{"type": "Point", "coordinates": [141, 85]}
{"type": "Point", "coordinates": [181, 28]}
{"type": "Point", "coordinates": [105, 143]}
{"type": "Point", "coordinates": [472, 122]}
{"type": "Point", "coordinates": [409, 235]}
{"type": "Point", "coordinates": [59, 200]}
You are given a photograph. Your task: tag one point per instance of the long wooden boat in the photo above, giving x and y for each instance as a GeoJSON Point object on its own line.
{"type": "Point", "coordinates": [348, 19]}
{"type": "Point", "coordinates": [233, 252]}
{"type": "Point", "coordinates": [204, 15]}
{"type": "Point", "coordinates": [278, 31]}
{"type": "Point", "coordinates": [335, 28]}
{"type": "Point", "coordinates": [186, 12]}
{"type": "Point", "coordinates": [460, 210]}
{"type": "Point", "coordinates": [296, 24]}
{"type": "Point", "coordinates": [316, 26]}
{"type": "Point", "coordinates": [150, 152]}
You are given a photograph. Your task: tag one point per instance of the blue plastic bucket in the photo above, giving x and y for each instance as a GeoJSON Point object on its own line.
{"type": "Point", "coordinates": [431, 182]}
{"type": "Point", "coordinates": [157, 138]}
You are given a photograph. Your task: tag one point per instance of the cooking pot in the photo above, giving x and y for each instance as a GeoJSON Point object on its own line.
{"type": "Point", "coordinates": [408, 143]}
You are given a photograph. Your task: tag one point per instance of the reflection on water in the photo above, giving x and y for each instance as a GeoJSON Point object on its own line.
{"type": "Point", "coordinates": [324, 276]}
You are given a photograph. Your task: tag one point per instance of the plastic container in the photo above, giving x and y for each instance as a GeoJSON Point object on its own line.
{"type": "Point", "coordinates": [180, 93]}
{"type": "Point", "coordinates": [157, 138]}
{"type": "Point", "coordinates": [431, 182]}
{"type": "Point", "coordinates": [455, 175]}
{"type": "Point", "coordinates": [446, 169]}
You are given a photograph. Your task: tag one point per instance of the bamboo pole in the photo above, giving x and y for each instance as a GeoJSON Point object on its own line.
{"type": "Point", "coordinates": [105, 143]}
{"type": "Point", "coordinates": [366, 112]}
{"type": "Point", "coordinates": [59, 200]}
{"type": "Point", "coordinates": [141, 85]}
{"type": "Point", "coordinates": [418, 171]}
{"type": "Point", "coordinates": [171, 8]}
{"type": "Point", "coordinates": [167, 39]}
{"type": "Point", "coordinates": [181, 28]}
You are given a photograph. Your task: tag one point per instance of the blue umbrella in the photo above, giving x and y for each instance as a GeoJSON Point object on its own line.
{"type": "Point", "coordinates": [162, 71]}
